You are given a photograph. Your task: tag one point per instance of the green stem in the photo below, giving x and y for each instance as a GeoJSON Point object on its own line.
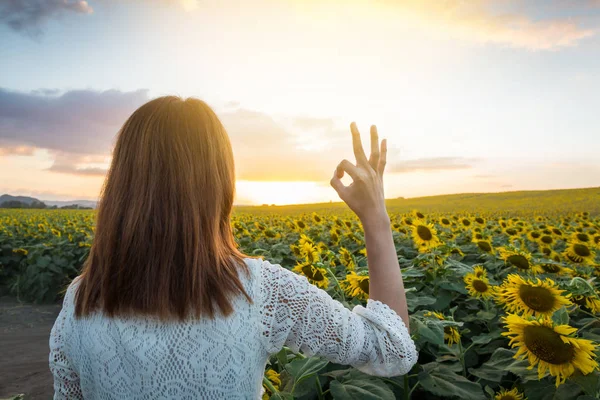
{"type": "Point", "coordinates": [406, 394]}
{"type": "Point", "coordinates": [337, 283]}
{"type": "Point", "coordinates": [269, 385]}
{"type": "Point", "coordinates": [588, 324]}
{"type": "Point", "coordinates": [391, 382]}
{"type": "Point", "coordinates": [462, 358]}
{"type": "Point", "coordinates": [412, 390]}
{"type": "Point", "coordinates": [319, 389]}
{"type": "Point", "coordinates": [588, 313]}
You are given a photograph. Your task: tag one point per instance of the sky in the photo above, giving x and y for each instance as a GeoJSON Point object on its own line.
{"type": "Point", "coordinates": [472, 96]}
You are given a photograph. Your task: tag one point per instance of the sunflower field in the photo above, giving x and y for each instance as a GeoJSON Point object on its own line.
{"type": "Point", "coordinates": [504, 304]}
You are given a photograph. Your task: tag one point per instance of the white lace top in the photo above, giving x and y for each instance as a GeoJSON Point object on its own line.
{"type": "Point", "coordinates": [98, 357]}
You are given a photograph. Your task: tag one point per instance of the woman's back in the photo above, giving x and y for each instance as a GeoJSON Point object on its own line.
{"type": "Point", "coordinates": [168, 307]}
{"type": "Point", "coordinates": [100, 357]}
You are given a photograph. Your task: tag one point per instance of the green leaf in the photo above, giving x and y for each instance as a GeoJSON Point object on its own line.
{"type": "Point", "coordinates": [361, 389]}
{"type": "Point", "coordinates": [590, 383]}
{"type": "Point", "coordinates": [303, 369]}
{"type": "Point", "coordinates": [414, 301]}
{"type": "Point", "coordinates": [500, 363]}
{"type": "Point", "coordinates": [430, 333]}
{"type": "Point", "coordinates": [486, 315]}
{"type": "Point", "coordinates": [561, 316]}
{"type": "Point", "coordinates": [441, 381]}
{"type": "Point", "coordinates": [482, 339]}
{"type": "Point", "coordinates": [547, 390]}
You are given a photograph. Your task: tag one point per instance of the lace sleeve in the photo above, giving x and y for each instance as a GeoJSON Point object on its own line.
{"type": "Point", "coordinates": [66, 379]}
{"type": "Point", "coordinates": [305, 318]}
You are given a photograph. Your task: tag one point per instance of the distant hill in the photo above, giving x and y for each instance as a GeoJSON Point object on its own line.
{"type": "Point", "coordinates": [22, 199]}
{"type": "Point", "coordinates": [80, 203]}
{"type": "Point", "coordinates": [29, 201]}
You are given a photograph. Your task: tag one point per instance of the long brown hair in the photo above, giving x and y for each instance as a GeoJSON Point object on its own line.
{"type": "Point", "coordinates": [163, 242]}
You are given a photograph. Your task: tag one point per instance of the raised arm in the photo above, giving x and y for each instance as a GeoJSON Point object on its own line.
{"type": "Point", "coordinates": [304, 317]}
{"type": "Point", "coordinates": [365, 197]}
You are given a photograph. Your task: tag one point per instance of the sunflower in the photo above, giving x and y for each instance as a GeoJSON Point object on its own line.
{"type": "Point", "coordinates": [316, 276]}
{"type": "Point", "coordinates": [275, 379]}
{"type": "Point", "coordinates": [581, 237]}
{"type": "Point", "coordinates": [509, 395]}
{"type": "Point", "coordinates": [310, 252]}
{"type": "Point", "coordinates": [335, 237]}
{"type": "Point", "coordinates": [300, 224]}
{"type": "Point", "coordinates": [465, 222]}
{"type": "Point", "coordinates": [596, 240]}
{"type": "Point", "coordinates": [478, 286]}
{"type": "Point", "coordinates": [511, 231]}
{"type": "Point", "coordinates": [553, 268]}
{"type": "Point", "coordinates": [484, 245]}
{"type": "Point", "coordinates": [451, 334]}
{"type": "Point", "coordinates": [550, 347]}
{"type": "Point", "coordinates": [425, 236]}
{"type": "Point", "coordinates": [356, 285]}
{"type": "Point", "coordinates": [519, 259]}
{"type": "Point", "coordinates": [479, 271]}
{"type": "Point", "coordinates": [316, 218]}
{"type": "Point", "coordinates": [579, 253]}
{"type": "Point", "coordinates": [546, 240]}
{"type": "Point", "coordinates": [418, 215]}
{"type": "Point", "coordinates": [445, 222]}
{"type": "Point", "coordinates": [539, 298]}
{"type": "Point", "coordinates": [479, 220]}
{"type": "Point", "coordinates": [346, 259]}
{"type": "Point", "coordinates": [590, 302]}
{"type": "Point", "coordinates": [533, 235]}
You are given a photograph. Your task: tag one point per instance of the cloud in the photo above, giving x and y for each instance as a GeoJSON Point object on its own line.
{"type": "Point", "coordinates": [79, 121]}
{"type": "Point", "coordinates": [28, 16]}
{"type": "Point", "coordinates": [432, 164]}
{"type": "Point", "coordinates": [16, 150]}
{"type": "Point", "coordinates": [78, 128]}
{"type": "Point", "coordinates": [481, 22]}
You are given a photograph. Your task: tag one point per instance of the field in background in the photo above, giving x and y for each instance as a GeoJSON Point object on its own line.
{"type": "Point", "coordinates": [521, 202]}
{"type": "Point", "coordinates": [477, 268]}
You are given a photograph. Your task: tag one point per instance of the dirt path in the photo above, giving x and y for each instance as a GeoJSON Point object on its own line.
{"type": "Point", "coordinates": [24, 334]}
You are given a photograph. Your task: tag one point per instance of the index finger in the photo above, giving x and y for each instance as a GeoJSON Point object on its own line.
{"type": "Point", "coordinates": [359, 152]}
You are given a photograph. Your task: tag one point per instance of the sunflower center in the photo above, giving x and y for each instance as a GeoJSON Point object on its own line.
{"type": "Point", "coordinates": [479, 220]}
{"type": "Point", "coordinates": [583, 237]}
{"type": "Point", "coordinates": [518, 261]}
{"type": "Point", "coordinates": [424, 232]}
{"type": "Point", "coordinates": [552, 268]}
{"type": "Point", "coordinates": [535, 235]}
{"type": "Point", "coordinates": [364, 285]}
{"type": "Point", "coordinates": [581, 250]}
{"type": "Point", "coordinates": [445, 221]}
{"type": "Point", "coordinates": [312, 273]}
{"type": "Point", "coordinates": [480, 286]}
{"type": "Point", "coordinates": [511, 231]}
{"type": "Point", "coordinates": [547, 345]}
{"type": "Point", "coordinates": [579, 300]}
{"type": "Point", "coordinates": [546, 239]}
{"type": "Point", "coordinates": [485, 246]}
{"type": "Point", "coordinates": [537, 298]}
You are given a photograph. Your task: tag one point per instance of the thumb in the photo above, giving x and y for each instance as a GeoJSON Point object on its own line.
{"type": "Point", "coordinates": [337, 184]}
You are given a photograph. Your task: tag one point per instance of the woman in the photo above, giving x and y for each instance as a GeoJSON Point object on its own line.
{"type": "Point", "coordinates": [167, 307]}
